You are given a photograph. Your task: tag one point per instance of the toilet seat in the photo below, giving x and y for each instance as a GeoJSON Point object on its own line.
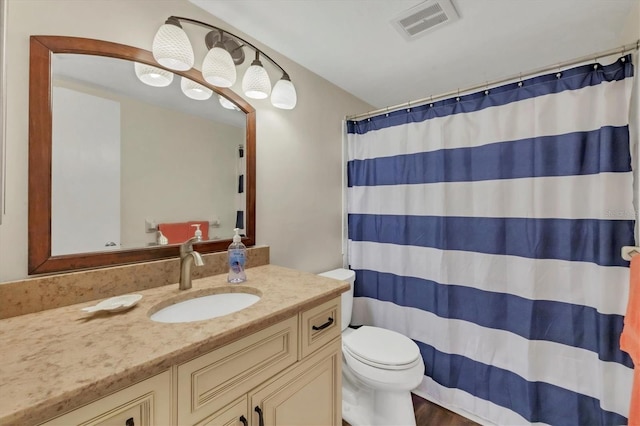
{"type": "Point", "coordinates": [382, 348]}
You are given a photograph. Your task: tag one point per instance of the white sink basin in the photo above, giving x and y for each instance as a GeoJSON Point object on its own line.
{"type": "Point", "coordinates": [205, 307]}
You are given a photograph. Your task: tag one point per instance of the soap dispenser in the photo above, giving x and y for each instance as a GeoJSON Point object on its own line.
{"type": "Point", "coordinates": [237, 254]}
{"type": "Point", "coordinates": [161, 239]}
{"type": "Point", "coordinates": [197, 233]}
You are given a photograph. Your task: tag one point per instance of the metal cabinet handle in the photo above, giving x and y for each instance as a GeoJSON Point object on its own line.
{"type": "Point", "coordinates": [129, 422]}
{"type": "Point", "coordinates": [260, 417]}
{"type": "Point", "coordinates": [325, 325]}
{"type": "Point", "coordinates": [244, 421]}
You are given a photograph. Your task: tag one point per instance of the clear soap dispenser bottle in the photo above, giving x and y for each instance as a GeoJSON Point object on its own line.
{"type": "Point", "coordinates": [237, 254]}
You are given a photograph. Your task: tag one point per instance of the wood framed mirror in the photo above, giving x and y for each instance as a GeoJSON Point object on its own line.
{"type": "Point", "coordinates": [41, 257]}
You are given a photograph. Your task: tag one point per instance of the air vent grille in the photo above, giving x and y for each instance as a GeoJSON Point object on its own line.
{"type": "Point", "coordinates": [425, 17]}
{"type": "Point", "coordinates": [421, 15]}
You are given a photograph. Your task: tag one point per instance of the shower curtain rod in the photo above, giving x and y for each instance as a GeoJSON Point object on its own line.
{"type": "Point", "coordinates": [593, 57]}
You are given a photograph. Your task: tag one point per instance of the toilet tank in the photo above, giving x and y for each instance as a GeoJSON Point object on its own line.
{"type": "Point", "coordinates": [347, 297]}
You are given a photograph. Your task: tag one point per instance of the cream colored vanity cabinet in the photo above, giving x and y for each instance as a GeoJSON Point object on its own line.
{"type": "Point", "coordinates": [287, 374]}
{"type": "Point", "coordinates": [212, 381]}
{"type": "Point", "coordinates": [147, 403]}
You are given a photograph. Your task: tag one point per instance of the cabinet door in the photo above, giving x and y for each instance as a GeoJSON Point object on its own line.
{"type": "Point", "coordinates": [146, 403]}
{"type": "Point", "coordinates": [212, 381]}
{"type": "Point", "coordinates": [307, 394]}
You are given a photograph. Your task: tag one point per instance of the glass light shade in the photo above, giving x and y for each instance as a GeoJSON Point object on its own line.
{"type": "Point", "coordinates": [284, 94]}
{"type": "Point", "coordinates": [172, 49]}
{"type": "Point", "coordinates": [218, 68]}
{"type": "Point", "coordinates": [153, 76]}
{"type": "Point", "coordinates": [195, 90]}
{"type": "Point", "coordinates": [226, 103]}
{"type": "Point", "coordinates": [256, 83]}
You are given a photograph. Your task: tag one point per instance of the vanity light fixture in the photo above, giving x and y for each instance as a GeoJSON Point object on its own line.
{"type": "Point", "coordinates": [256, 83]}
{"type": "Point", "coordinates": [226, 51]}
{"type": "Point", "coordinates": [218, 67]}
{"type": "Point", "coordinates": [153, 76]}
{"type": "Point", "coordinates": [195, 90]}
{"type": "Point", "coordinates": [284, 94]}
{"type": "Point", "coordinates": [171, 46]}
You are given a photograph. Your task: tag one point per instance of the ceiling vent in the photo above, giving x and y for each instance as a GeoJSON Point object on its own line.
{"type": "Point", "coordinates": [425, 17]}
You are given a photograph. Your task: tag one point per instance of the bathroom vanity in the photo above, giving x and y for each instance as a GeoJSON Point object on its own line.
{"type": "Point", "coordinates": [275, 362]}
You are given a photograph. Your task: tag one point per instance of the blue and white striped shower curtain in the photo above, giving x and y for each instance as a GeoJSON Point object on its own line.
{"type": "Point", "coordinates": [488, 229]}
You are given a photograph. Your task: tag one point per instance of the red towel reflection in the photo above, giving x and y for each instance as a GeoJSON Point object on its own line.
{"type": "Point", "coordinates": [179, 232]}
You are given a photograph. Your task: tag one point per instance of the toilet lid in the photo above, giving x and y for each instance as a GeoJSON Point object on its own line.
{"type": "Point", "coordinates": [381, 348]}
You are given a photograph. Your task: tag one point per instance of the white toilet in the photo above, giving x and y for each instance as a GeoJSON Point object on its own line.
{"type": "Point", "coordinates": [379, 369]}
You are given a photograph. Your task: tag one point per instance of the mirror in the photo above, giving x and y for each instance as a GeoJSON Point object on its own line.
{"type": "Point", "coordinates": [185, 170]}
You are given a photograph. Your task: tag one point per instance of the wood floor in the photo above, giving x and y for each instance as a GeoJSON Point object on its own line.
{"type": "Point", "coordinates": [430, 414]}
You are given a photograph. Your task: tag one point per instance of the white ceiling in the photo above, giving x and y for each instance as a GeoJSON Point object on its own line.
{"type": "Point", "coordinates": [353, 44]}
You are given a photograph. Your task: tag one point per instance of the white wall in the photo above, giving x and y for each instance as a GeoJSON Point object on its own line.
{"type": "Point", "coordinates": [298, 152]}
{"type": "Point", "coordinates": [162, 163]}
{"type": "Point", "coordinates": [169, 175]}
{"type": "Point", "coordinates": [85, 172]}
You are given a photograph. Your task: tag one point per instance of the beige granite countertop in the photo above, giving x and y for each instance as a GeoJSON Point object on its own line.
{"type": "Point", "coordinates": [60, 359]}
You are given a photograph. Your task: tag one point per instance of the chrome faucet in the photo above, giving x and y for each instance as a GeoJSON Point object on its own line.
{"type": "Point", "coordinates": [188, 256]}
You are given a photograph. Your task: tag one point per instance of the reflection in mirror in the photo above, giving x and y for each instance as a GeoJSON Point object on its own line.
{"type": "Point", "coordinates": [126, 153]}
{"type": "Point", "coordinates": [114, 160]}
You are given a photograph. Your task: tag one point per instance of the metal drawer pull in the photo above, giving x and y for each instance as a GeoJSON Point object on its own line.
{"type": "Point", "coordinates": [325, 325]}
{"type": "Point", "coordinates": [244, 421]}
{"type": "Point", "coordinates": [260, 418]}
{"type": "Point", "coordinates": [129, 422]}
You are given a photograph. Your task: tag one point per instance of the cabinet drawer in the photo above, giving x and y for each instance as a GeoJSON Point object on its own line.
{"type": "Point", "coordinates": [318, 326]}
{"type": "Point", "coordinates": [228, 416]}
{"type": "Point", "coordinates": [210, 382]}
{"type": "Point", "coordinates": [146, 403]}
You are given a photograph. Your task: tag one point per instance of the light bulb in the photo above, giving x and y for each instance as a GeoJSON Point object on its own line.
{"type": "Point", "coordinates": [153, 76]}
{"type": "Point", "coordinates": [226, 103]}
{"type": "Point", "coordinates": [195, 90]}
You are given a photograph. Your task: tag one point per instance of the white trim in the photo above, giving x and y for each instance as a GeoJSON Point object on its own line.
{"type": "Point", "coordinates": [634, 138]}
{"type": "Point", "coordinates": [345, 190]}
{"type": "Point", "coordinates": [3, 105]}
